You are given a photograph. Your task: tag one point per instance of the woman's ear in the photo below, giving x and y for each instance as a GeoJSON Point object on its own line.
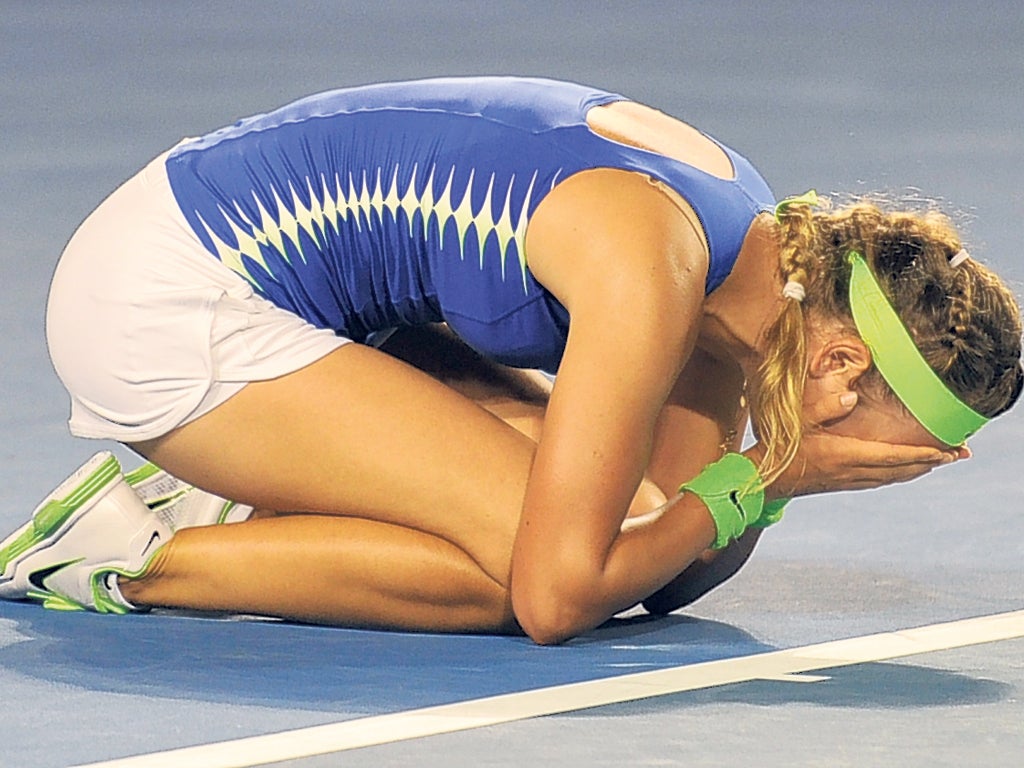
{"type": "Point", "coordinates": [846, 357]}
{"type": "Point", "coordinates": [834, 367]}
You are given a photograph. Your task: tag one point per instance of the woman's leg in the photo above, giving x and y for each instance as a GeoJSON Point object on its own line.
{"type": "Point", "coordinates": [330, 570]}
{"type": "Point", "coordinates": [414, 571]}
{"type": "Point", "coordinates": [518, 397]}
{"type": "Point", "coordinates": [361, 435]}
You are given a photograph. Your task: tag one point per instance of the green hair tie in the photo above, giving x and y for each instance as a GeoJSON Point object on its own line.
{"type": "Point", "coordinates": [807, 198]}
{"type": "Point", "coordinates": [901, 363]}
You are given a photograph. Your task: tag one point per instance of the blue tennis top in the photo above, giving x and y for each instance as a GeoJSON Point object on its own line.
{"type": "Point", "coordinates": [367, 208]}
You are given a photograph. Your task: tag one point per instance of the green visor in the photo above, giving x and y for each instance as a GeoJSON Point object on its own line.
{"type": "Point", "coordinates": [901, 364]}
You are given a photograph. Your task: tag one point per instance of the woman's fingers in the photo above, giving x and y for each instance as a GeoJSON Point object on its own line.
{"type": "Point", "coordinates": [869, 453]}
{"type": "Point", "coordinates": [832, 463]}
{"type": "Point", "coordinates": [829, 409]}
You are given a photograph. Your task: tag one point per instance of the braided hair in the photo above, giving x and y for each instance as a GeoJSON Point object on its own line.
{"type": "Point", "coordinates": [963, 319]}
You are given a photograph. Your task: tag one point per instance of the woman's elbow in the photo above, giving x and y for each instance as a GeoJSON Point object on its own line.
{"type": "Point", "coordinates": [549, 615]}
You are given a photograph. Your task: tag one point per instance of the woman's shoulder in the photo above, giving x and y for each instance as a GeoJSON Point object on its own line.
{"type": "Point", "coordinates": [615, 226]}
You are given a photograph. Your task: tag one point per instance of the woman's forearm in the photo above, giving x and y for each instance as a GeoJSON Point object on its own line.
{"type": "Point", "coordinates": [581, 591]}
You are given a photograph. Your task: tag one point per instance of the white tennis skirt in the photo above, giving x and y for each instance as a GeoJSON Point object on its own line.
{"type": "Point", "coordinates": [148, 331]}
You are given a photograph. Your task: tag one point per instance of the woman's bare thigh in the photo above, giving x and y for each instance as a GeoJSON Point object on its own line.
{"type": "Point", "coordinates": [364, 434]}
{"type": "Point", "coordinates": [518, 397]}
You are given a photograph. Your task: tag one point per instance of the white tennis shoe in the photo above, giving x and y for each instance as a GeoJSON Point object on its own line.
{"type": "Point", "coordinates": [91, 529]}
{"type": "Point", "coordinates": [179, 504]}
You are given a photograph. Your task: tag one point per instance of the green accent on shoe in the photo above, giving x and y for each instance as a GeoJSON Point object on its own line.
{"type": "Point", "coordinates": [49, 598]}
{"type": "Point", "coordinates": [103, 602]}
{"type": "Point", "coordinates": [139, 474]}
{"type": "Point", "coordinates": [28, 539]}
{"type": "Point", "coordinates": [225, 511]}
{"type": "Point", "coordinates": [166, 501]}
{"type": "Point", "coordinates": [145, 472]}
{"type": "Point", "coordinates": [55, 512]}
{"type": "Point", "coordinates": [56, 602]}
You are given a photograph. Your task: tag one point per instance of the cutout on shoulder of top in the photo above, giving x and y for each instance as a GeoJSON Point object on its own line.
{"type": "Point", "coordinates": [628, 122]}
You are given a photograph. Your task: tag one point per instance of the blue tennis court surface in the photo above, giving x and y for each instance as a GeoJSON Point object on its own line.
{"type": "Point", "coordinates": [913, 98]}
{"type": "Point", "coordinates": [330, 670]}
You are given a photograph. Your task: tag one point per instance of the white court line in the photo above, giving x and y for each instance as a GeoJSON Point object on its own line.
{"type": "Point", "coordinates": [477, 713]}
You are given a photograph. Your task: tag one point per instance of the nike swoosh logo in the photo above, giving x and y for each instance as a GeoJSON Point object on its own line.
{"type": "Point", "coordinates": [152, 540]}
{"type": "Point", "coordinates": [38, 578]}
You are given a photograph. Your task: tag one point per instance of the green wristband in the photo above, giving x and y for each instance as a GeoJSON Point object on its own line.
{"type": "Point", "coordinates": [731, 490]}
{"type": "Point", "coordinates": [771, 515]}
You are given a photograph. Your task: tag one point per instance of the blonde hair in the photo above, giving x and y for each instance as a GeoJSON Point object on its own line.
{"type": "Point", "coordinates": [964, 320]}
